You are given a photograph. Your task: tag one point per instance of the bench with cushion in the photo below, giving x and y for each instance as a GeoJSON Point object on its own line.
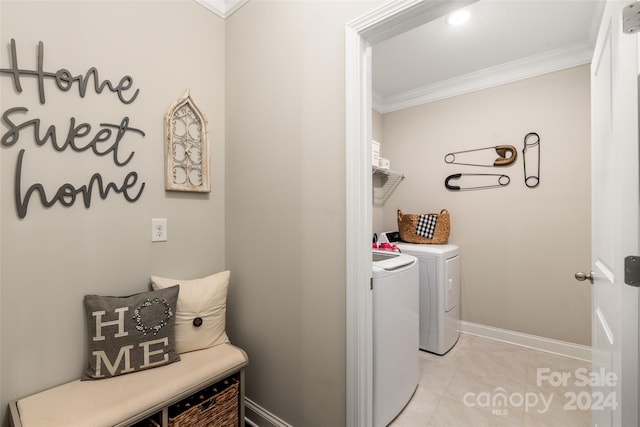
{"type": "Point", "coordinates": [156, 358]}
{"type": "Point", "coordinates": [126, 399]}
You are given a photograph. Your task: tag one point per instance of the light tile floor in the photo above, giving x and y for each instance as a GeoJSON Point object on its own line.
{"type": "Point", "coordinates": [483, 382]}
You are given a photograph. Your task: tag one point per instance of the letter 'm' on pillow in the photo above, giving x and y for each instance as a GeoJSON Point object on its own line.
{"type": "Point", "coordinates": [201, 311]}
{"type": "Point", "coordinates": [132, 333]}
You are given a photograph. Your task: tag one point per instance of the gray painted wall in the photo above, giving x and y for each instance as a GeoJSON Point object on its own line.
{"type": "Point", "coordinates": [283, 101]}
{"type": "Point", "coordinates": [53, 257]}
{"type": "Point", "coordinates": [520, 246]}
{"type": "Point", "coordinates": [286, 203]}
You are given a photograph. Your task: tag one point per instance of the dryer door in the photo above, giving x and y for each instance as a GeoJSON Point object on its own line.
{"type": "Point", "coordinates": [452, 297]}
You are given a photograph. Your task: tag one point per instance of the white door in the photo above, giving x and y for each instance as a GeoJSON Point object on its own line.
{"type": "Point", "coordinates": [615, 200]}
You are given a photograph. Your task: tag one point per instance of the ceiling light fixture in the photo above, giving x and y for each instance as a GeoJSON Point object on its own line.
{"type": "Point", "coordinates": [458, 17]}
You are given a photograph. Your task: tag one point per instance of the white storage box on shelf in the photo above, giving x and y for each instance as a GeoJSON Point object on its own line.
{"type": "Point", "coordinates": [375, 153]}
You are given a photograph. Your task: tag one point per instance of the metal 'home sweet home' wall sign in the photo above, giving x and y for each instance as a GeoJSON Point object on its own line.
{"type": "Point", "coordinates": [106, 139]}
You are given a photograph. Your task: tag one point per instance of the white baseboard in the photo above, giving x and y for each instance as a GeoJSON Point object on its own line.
{"type": "Point", "coordinates": [562, 348]}
{"type": "Point", "coordinates": [257, 416]}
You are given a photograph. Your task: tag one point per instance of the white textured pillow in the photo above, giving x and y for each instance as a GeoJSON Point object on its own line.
{"type": "Point", "coordinates": [201, 310]}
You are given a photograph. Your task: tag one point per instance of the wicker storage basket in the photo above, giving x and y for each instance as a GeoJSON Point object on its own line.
{"type": "Point", "coordinates": [407, 224]}
{"type": "Point", "coordinates": [216, 405]}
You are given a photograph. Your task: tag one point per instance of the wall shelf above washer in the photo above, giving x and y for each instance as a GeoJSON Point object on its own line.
{"type": "Point", "coordinates": [385, 182]}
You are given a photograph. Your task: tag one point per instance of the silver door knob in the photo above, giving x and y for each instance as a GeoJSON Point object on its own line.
{"type": "Point", "coordinates": [580, 276]}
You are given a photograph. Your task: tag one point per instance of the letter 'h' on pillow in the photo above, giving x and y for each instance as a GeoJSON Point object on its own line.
{"type": "Point", "coordinates": [201, 310]}
{"type": "Point", "coordinates": [128, 334]}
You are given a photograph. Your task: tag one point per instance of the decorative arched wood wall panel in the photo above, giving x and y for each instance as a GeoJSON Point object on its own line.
{"type": "Point", "coordinates": [187, 147]}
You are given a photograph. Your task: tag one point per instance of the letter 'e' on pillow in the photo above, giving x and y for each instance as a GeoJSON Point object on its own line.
{"type": "Point", "coordinates": [201, 311]}
{"type": "Point", "coordinates": [132, 333]}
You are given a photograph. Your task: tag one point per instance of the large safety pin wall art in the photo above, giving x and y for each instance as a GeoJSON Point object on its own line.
{"type": "Point", "coordinates": [531, 151]}
{"type": "Point", "coordinates": [506, 155]}
{"type": "Point", "coordinates": [104, 140]}
{"type": "Point", "coordinates": [486, 157]}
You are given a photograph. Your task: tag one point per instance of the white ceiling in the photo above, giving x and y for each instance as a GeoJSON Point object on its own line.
{"type": "Point", "coordinates": [503, 41]}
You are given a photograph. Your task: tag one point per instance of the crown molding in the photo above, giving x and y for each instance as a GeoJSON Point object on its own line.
{"type": "Point", "coordinates": [222, 8]}
{"type": "Point", "coordinates": [532, 66]}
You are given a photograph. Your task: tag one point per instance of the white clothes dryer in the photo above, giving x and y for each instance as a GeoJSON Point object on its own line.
{"type": "Point", "coordinates": [439, 269]}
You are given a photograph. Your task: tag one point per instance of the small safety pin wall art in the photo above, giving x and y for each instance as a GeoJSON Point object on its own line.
{"type": "Point", "coordinates": [488, 180]}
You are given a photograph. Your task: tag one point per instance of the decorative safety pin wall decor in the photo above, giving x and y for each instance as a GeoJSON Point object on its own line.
{"type": "Point", "coordinates": [531, 150]}
{"type": "Point", "coordinates": [506, 155]}
{"type": "Point", "coordinates": [503, 180]}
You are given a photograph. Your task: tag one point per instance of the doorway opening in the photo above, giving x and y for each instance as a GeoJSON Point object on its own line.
{"type": "Point", "coordinates": [362, 35]}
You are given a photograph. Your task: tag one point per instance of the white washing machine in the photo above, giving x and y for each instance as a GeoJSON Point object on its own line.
{"type": "Point", "coordinates": [396, 359]}
{"type": "Point", "coordinates": [439, 292]}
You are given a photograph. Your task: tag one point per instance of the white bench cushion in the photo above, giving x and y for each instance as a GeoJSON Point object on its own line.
{"type": "Point", "coordinates": [110, 401]}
